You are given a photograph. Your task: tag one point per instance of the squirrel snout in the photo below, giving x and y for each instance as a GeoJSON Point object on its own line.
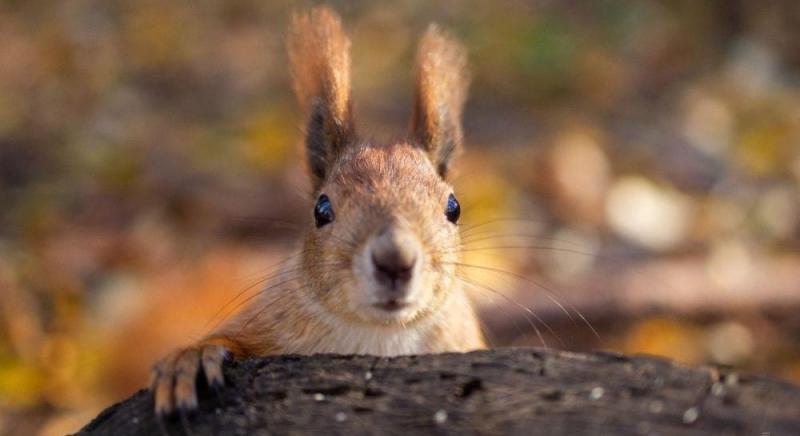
{"type": "Point", "coordinates": [394, 255]}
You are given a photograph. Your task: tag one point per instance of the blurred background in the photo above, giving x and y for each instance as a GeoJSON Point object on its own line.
{"type": "Point", "coordinates": [633, 169]}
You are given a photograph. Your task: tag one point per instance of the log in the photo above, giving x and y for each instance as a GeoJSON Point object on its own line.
{"type": "Point", "coordinates": [524, 391]}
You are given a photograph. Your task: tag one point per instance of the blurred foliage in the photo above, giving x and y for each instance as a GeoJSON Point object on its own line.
{"type": "Point", "coordinates": [149, 172]}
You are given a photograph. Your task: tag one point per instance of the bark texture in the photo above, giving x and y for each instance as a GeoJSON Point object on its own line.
{"type": "Point", "coordinates": [508, 391]}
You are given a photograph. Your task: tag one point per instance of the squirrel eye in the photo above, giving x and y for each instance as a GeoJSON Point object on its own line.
{"type": "Point", "coordinates": [323, 211]}
{"type": "Point", "coordinates": [453, 210]}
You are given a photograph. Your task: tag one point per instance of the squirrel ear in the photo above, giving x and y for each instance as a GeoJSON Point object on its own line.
{"type": "Point", "coordinates": [319, 54]}
{"type": "Point", "coordinates": [441, 88]}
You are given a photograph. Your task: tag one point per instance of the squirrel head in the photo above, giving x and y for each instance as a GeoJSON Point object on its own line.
{"type": "Point", "coordinates": [382, 238]}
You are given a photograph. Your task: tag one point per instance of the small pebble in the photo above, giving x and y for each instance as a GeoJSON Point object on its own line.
{"type": "Point", "coordinates": [218, 411]}
{"type": "Point", "coordinates": [643, 427]}
{"type": "Point", "coordinates": [440, 416]}
{"type": "Point", "coordinates": [690, 415]}
{"type": "Point", "coordinates": [658, 381]}
{"type": "Point", "coordinates": [596, 393]}
{"type": "Point", "coordinates": [319, 397]}
{"type": "Point", "coordinates": [341, 417]}
{"type": "Point", "coordinates": [135, 420]}
{"type": "Point", "coordinates": [656, 406]}
{"type": "Point", "coordinates": [368, 375]}
{"type": "Point", "coordinates": [717, 389]}
{"type": "Point", "coordinates": [731, 379]}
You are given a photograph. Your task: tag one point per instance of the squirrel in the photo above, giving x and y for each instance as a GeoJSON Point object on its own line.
{"type": "Point", "coordinates": [376, 271]}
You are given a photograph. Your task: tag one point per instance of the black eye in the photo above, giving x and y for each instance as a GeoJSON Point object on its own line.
{"type": "Point", "coordinates": [453, 210]}
{"type": "Point", "coordinates": [323, 211]}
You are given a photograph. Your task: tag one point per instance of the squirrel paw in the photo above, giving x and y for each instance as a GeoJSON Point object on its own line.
{"type": "Point", "coordinates": [173, 378]}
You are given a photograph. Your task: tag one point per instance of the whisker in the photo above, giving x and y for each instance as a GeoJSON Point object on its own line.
{"type": "Point", "coordinates": [270, 276]}
{"type": "Point", "coordinates": [472, 227]}
{"type": "Point", "coordinates": [277, 266]}
{"type": "Point", "coordinates": [250, 298]}
{"type": "Point", "coordinates": [268, 288]}
{"type": "Point", "coordinates": [547, 290]}
{"type": "Point", "coordinates": [606, 259]}
{"type": "Point", "coordinates": [286, 294]}
{"type": "Point", "coordinates": [521, 306]}
{"type": "Point", "coordinates": [528, 247]}
{"type": "Point", "coordinates": [261, 311]}
{"type": "Point", "coordinates": [485, 236]}
{"type": "Point", "coordinates": [490, 334]}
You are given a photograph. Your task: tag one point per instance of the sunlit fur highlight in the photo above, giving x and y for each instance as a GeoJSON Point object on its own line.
{"type": "Point", "coordinates": [440, 90]}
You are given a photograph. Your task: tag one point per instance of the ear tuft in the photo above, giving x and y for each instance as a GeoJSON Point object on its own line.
{"type": "Point", "coordinates": [319, 54]}
{"type": "Point", "coordinates": [441, 88]}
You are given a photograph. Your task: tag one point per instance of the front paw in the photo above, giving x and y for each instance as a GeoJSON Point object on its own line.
{"type": "Point", "coordinates": [173, 379]}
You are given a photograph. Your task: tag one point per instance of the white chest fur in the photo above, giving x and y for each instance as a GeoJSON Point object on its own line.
{"type": "Point", "coordinates": [349, 338]}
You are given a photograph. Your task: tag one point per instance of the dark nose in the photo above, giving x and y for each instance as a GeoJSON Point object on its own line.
{"type": "Point", "coordinates": [392, 269]}
{"type": "Point", "coordinates": [394, 254]}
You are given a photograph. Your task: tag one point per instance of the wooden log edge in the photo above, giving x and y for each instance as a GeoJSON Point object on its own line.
{"type": "Point", "coordinates": [525, 391]}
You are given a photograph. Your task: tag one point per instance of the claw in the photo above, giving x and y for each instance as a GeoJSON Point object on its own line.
{"type": "Point", "coordinates": [173, 380]}
{"type": "Point", "coordinates": [213, 357]}
{"type": "Point", "coordinates": [186, 367]}
{"type": "Point", "coordinates": [163, 395]}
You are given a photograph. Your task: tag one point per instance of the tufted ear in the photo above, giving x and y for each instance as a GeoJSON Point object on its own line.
{"type": "Point", "coordinates": [441, 88]}
{"type": "Point", "coordinates": [319, 53]}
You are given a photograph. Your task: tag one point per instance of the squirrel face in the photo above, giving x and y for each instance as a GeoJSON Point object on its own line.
{"type": "Point", "coordinates": [383, 243]}
{"type": "Point", "coordinates": [385, 248]}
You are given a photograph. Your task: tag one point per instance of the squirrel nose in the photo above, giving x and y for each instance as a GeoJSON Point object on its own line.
{"type": "Point", "coordinates": [394, 254]}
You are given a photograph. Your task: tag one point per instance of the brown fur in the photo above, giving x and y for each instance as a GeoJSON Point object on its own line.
{"type": "Point", "coordinates": [441, 88]}
{"type": "Point", "coordinates": [319, 54]}
{"type": "Point", "coordinates": [328, 302]}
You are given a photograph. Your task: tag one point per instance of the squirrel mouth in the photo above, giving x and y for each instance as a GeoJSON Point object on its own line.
{"type": "Point", "coordinates": [392, 305]}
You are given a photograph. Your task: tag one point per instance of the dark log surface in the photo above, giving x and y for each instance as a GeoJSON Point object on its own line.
{"type": "Point", "coordinates": [508, 391]}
